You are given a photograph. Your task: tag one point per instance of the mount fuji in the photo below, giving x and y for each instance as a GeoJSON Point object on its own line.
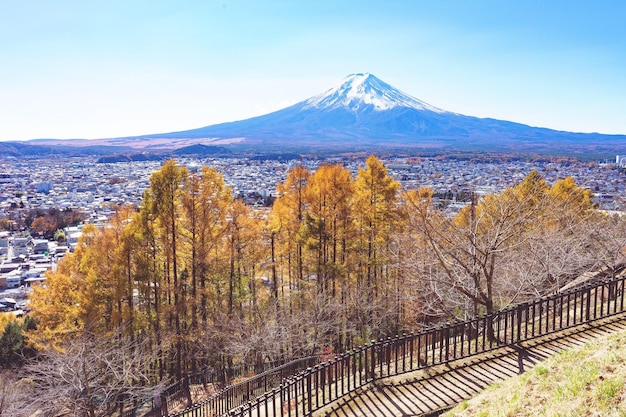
{"type": "Point", "coordinates": [364, 112]}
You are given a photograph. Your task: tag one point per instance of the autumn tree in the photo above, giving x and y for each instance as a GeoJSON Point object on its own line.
{"type": "Point", "coordinates": [376, 219]}
{"type": "Point", "coordinates": [287, 218]}
{"type": "Point", "coordinates": [205, 201]}
{"type": "Point", "coordinates": [327, 233]}
{"type": "Point", "coordinates": [462, 258]}
{"type": "Point", "coordinates": [502, 249]}
{"type": "Point", "coordinates": [423, 297]}
{"type": "Point", "coordinates": [327, 224]}
{"type": "Point", "coordinates": [149, 276]}
{"type": "Point", "coordinates": [123, 275]}
{"type": "Point", "coordinates": [165, 187]}
{"type": "Point", "coordinates": [563, 245]}
{"type": "Point", "coordinates": [74, 295]}
{"type": "Point", "coordinates": [44, 226]}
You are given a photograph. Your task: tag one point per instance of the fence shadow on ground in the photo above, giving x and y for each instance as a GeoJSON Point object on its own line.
{"type": "Point", "coordinates": [513, 330]}
{"type": "Point", "coordinates": [428, 392]}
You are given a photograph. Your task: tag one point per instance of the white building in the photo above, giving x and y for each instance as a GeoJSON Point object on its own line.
{"type": "Point", "coordinates": [40, 246]}
{"type": "Point", "coordinates": [18, 247]}
{"type": "Point", "coordinates": [44, 187]}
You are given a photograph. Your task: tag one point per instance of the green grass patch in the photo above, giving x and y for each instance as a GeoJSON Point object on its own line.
{"type": "Point", "coordinates": [586, 381]}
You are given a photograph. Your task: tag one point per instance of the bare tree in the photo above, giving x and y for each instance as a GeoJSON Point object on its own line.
{"type": "Point", "coordinates": [91, 377]}
{"type": "Point", "coordinates": [609, 238]}
{"type": "Point", "coordinates": [506, 248]}
{"type": "Point", "coordinates": [275, 336]}
{"type": "Point", "coordinates": [16, 395]}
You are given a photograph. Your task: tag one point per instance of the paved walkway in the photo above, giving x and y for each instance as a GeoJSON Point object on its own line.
{"type": "Point", "coordinates": [427, 392]}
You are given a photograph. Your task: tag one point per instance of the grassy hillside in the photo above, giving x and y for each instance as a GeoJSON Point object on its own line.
{"type": "Point", "coordinates": [586, 381]}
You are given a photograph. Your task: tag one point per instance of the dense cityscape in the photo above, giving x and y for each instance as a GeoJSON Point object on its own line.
{"type": "Point", "coordinates": [29, 188]}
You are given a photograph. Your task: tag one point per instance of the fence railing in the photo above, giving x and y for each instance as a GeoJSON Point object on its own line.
{"type": "Point", "coordinates": [173, 395]}
{"type": "Point", "coordinates": [303, 393]}
{"type": "Point", "coordinates": [241, 393]}
{"type": "Point", "coordinates": [215, 382]}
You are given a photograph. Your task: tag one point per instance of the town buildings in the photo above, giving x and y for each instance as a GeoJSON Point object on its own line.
{"type": "Point", "coordinates": [96, 189]}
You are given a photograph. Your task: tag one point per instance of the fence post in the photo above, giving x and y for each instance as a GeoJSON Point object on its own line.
{"type": "Point", "coordinates": [308, 387]}
{"type": "Point", "coordinates": [295, 394]}
{"type": "Point", "coordinates": [419, 349]}
{"type": "Point", "coordinates": [342, 371]}
{"type": "Point", "coordinates": [601, 303]}
{"type": "Point", "coordinates": [446, 341]}
{"type": "Point", "coordinates": [554, 298]}
{"type": "Point", "coordinates": [613, 296]}
{"type": "Point", "coordinates": [404, 340]}
{"type": "Point", "coordinates": [560, 311]}
{"type": "Point", "coordinates": [381, 356]}
{"type": "Point", "coordinates": [433, 344]}
{"type": "Point", "coordinates": [359, 364]}
{"type": "Point", "coordinates": [411, 342]}
{"type": "Point", "coordinates": [347, 358]}
{"type": "Point", "coordinates": [486, 326]}
{"type": "Point", "coordinates": [588, 305]}
{"type": "Point", "coordinates": [588, 313]}
{"type": "Point", "coordinates": [337, 372]}
{"type": "Point", "coordinates": [282, 398]}
{"type": "Point", "coordinates": [373, 360]}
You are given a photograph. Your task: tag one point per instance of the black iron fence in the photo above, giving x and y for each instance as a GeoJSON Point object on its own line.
{"type": "Point", "coordinates": [216, 383]}
{"type": "Point", "coordinates": [303, 393]}
{"type": "Point", "coordinates": [174, 395]}
{"type": "Point", "coordinates": [241, 393]}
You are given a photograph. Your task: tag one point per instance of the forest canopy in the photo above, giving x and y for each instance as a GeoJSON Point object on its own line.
{"type": "Point", "coordinates": [201, 280]}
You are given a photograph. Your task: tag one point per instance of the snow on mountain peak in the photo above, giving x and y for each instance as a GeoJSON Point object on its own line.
{"type": "Point", "coordinates": [357, 90]}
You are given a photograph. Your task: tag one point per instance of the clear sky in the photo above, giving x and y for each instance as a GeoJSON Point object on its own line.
{"type": "Point", "coordinates": [109, 68]}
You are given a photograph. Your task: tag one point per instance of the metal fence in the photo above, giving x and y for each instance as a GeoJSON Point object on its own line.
{"type": "Point", "coordinates": [303, 393]}
{"type": "Point", "coordinates": [242, 393]}
{"type": "Point", "coordinates": [214, 382]}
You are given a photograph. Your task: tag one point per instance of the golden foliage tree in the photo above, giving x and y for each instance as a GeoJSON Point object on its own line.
{"type": "Point", "coordinates": [376, 220]}
{"type": "Point", "coordinates": [206, 281]}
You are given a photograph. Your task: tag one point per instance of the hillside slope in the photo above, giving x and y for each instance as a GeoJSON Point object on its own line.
{"type": "Point", "coordinates": [584, 381]}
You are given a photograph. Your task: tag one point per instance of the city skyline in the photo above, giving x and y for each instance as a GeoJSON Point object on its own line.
{"type": "Point", "coordinates": [94, 70]}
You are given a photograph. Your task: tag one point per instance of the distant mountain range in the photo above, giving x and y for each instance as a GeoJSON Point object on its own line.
{"type": "Point", "coordinates": [364, 113]}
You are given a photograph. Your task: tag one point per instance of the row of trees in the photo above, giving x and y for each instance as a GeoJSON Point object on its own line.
{"type": "Point", "coordinates": [200, 280]}
{"type": "Point", "coordinates": [202, 274]}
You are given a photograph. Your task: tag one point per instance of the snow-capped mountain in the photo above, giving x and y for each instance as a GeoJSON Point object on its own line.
{"type": "Point", "coordinates": [365, 90]}
{"type": "Point", "coordinates": [364, 112]}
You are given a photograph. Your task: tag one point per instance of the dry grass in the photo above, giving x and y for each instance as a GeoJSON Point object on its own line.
{"type": "Point", "coordinates": [585, 381]}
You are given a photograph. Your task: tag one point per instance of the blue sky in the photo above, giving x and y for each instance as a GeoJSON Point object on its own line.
{"type": "Point", "coordinates": [97, 69]}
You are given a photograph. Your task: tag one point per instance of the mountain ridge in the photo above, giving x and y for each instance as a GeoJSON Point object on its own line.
{"type": "Point", "coordinates": [364, 108]}
{"type": "Point", "coordinates": [363, 113]}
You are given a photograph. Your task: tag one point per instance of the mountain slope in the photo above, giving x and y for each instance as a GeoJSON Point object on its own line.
{"type": "Point", "coordinates": [364, 110]}
{"type": "Point", "coordinates": [363, 113]}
